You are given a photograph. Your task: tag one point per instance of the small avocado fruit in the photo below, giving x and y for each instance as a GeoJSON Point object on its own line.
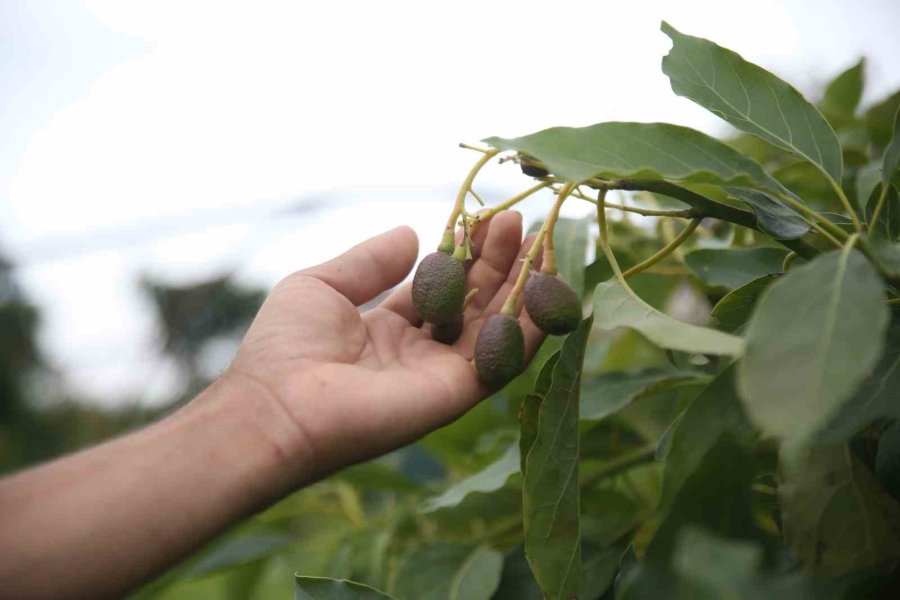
{"type": "Point", "coordinates": [531, 167]}
{"type": "Point", "coordinates": [449, 333]}
{"type": "Point", "coordinates": [439, 288]}
{"type": "Point", "coordinates": [499, 350]}
{"type": "Point", "coordinates": [552, 304]}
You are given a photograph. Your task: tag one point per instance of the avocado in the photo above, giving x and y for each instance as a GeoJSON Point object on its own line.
{"type": "Point", "coordinates": [499, 350]}
{"type": "Point", "coordinates": [552, 304]}
{"type": "Point", "coordinates": [449, 333]}
{"type": "Point", "coordinates": [439, 288]}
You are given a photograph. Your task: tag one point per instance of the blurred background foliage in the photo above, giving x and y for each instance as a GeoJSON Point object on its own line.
{"type": "Point", "coordinates": [447, 510]}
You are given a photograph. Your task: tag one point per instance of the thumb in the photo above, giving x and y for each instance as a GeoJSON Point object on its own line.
{"type": "Point", "coordinates": [371, 267]}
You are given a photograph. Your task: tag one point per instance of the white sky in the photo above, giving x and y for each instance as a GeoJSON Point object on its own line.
{"type": "Point", "coordinates": [169, 137]}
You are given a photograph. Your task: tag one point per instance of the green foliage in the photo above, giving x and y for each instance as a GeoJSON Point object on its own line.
{"type": "Point", "coordinates": [725, 425]}
{"type": "Point", "coordinates": [813, 337]}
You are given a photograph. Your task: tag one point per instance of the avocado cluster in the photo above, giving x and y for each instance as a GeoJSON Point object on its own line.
{"type": "Point", "coordinates": [499, 350]}
{"type": "Point", "coordinates": [438, 295]}
{"type": "Point", "coordinates": [552, 304]}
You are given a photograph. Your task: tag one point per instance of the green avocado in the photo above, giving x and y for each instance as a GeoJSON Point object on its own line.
{"type": "Point", "coordinates": [449, 333]}
{"type": "Point", "coordinates": [439, 288]}
{"type": "Point", "coordinates": [499, 350]}
{"type": "Point", "coordinates": [552, 304]}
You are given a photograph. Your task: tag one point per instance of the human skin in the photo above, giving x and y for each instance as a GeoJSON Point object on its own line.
{"type": "Point", "coordinates": [316, 385]}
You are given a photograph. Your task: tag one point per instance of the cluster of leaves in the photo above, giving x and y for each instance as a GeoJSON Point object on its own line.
{"type": "Point", "coordinates": [723, 426]}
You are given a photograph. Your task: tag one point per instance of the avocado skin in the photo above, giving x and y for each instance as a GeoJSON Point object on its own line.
{"type": "Point", "coordinates": [499, 350]}
{"type": "Point", "coordinates": [449, 333]}
{"type": "Point", "coordinates": [552, 304]}
{"type": "Point", "coordinates": [439, 288]}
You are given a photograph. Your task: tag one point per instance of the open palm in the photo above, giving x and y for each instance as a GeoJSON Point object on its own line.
{"type": "Point", "coordinates": [356, 385]}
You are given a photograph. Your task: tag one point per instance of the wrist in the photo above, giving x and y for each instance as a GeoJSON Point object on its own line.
{"type": "Point", "coordinates": [272, 447]}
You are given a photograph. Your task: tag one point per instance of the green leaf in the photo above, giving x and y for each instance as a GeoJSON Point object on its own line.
{"type": "Point", "coordinates": [716, 495]}
{"type": "Point", "coordinates": [815, 335]}
{"type": "Point", "coordinates": [891, 153]}
{"type": "Point", "coordinates": [610, 392]}
{"type": "Point", "coordinates": [732, 268]}
{"type": "Point", "coordinates": [238, 551]}
{"type": "Point", "coordinates": [489, 479]}
{"type": "Point", "coordinates": [843, 94]}
{"type": "Point", "coordinates": [550, 491]}
{"type": "Point", "coordinates": [773, 216]}
{"type": "Point", "coordinates": [877, 397]}
{"type": "Point", "coordinates": [751, 99]}
{"type": "Point", "coordinates": [445, 571]}
{"type": "Point", "coordinates": [836, 517]}
{"type": "Point", "coordinates": [615, 306]}
{"type": "Point", "coordinates": [321, 588]}
{"type": "Point", "coordinates": [570, 244]}
{"type": "Point", "coordinates": [881, 118]}
{"type": "Point", "coordinates": [654, 150]}
{"type": "Point", "coordinates": [715, 413]}
{"type": "Point", "coordinates": [734, 310]}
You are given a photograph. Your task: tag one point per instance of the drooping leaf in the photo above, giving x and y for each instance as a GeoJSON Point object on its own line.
{"type": "Point", "coordinates": [732, 268]}
{"type": "Point", "coordinates": [654, 150]}
{"type": "Point", "coordinates": [878, 396]}
{"type": "Point", "coordinates": [615, 306]}
{"type": "Point", "coordinates": [844, 92]}
{"type": "Point", "coordinates": [489, 479]}
{"type": "Point", "coordinates": [814, 336]}
{"type": "Point", "coordinates": [751, 99]}
{"type": "Point", "coordinates": [321, 588]}
{"type": "Point", "coordinates": [716, 412]}
{"type": "Point", "coordinates": [530, 409]}
{"type": "Point", "coordinates": [836, 517]}
{"type": "Point", "coordinates": [550, 491]}
{"type": "Point", "coordinates": [606, 394]}
{"type": "Point", "coordinates": [734, 310]}
{"type": "Point", "coordinates": [444, 571]}
{"type": "Point", "coordinates": [773, 216]}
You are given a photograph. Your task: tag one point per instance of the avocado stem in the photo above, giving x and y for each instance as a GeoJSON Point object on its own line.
{"type": "Point", "coordinates": [483, 216]}
{"type": "Point", "coordinates": [459, 205]}
{"type": "Point", "coordinates": [509, 306]}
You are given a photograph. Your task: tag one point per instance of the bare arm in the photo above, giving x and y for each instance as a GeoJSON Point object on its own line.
{"type": "Point", "coordinates": [315, 386]}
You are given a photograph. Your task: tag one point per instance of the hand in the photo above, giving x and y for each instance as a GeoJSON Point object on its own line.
{"type": "Point", "coordinates": [355, 385]}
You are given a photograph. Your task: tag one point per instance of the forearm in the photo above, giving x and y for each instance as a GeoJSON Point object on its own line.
{"type": "Point", "coordinates": [100, 522]}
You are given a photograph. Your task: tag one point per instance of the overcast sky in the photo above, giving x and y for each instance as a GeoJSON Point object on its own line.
{"type": "Point", "coordinates": [186, 138]}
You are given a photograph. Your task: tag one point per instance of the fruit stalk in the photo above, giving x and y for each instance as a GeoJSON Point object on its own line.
{"type": "Point", "coordinates": [481, 217]}
{"type": "Point", "coordinates": [509, 307]}
{"type": "Point", "coordinates": [448, 240]}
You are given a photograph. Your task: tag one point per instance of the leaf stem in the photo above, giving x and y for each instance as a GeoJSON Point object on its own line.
{"type": "Point", "coordinates": [447, 242]}
{"type": "Point", "coordinates": [788, 261]}
{"type": "Point", "coordinates": [619, 464]}
{"type": "Point", "coordinates": [475, 148]}
{"type": "Point", "coordinates": [847, 206]}
{"type": "Point", "coordinates": [481, 217]}
{"type": "Point", "coordinates": [878, 206]}
{"type": "Point", "coordinates": [685, 213]}
{"type": "Point", "coordinates": [665, 251]}
{"type": "Point", "coordinates": [509, 306]}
